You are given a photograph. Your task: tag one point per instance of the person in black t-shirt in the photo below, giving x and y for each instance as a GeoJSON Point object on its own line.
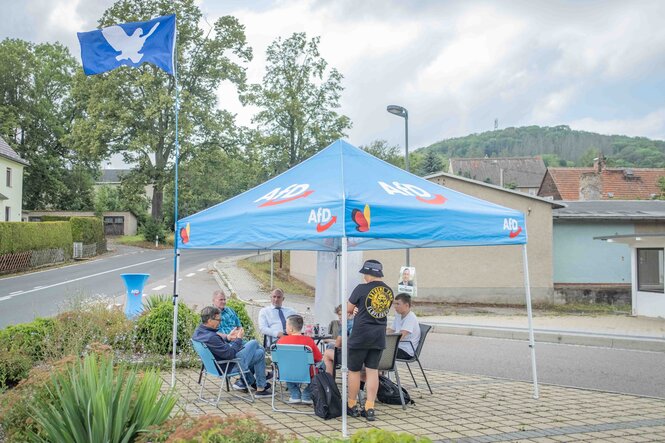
{"type": "Point", "coordinates": [373, 300]}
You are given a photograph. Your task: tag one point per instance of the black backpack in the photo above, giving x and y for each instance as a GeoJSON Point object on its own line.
{"type": "Point", "coordinates": [389, 392]}
{"type": "Point", "coordinates": [326, 397]}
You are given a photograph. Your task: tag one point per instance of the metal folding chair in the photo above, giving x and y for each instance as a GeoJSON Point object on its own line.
{"type": "Point", "coordinates": [291, 364]}
{"type": "Point", "coordinates": [222, 369]}
{"type": "Point", "coordinates": [388, 361]}
{"type": "Point", "coordinates": [424, 330]}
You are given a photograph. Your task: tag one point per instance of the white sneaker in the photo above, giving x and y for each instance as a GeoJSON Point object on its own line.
{"type": "Point", "coordinates": [307, 402]}
{"type": "Point", "coordinates": [294, 401]}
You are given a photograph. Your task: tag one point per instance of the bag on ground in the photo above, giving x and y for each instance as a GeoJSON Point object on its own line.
{"type": "Point", "coordinates": [389, 392]}
{"type": "Point", "coordinates": [326, 397]}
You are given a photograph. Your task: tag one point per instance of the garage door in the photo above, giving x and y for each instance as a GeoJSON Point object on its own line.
{"type": "Point", "coordinates": [114, 225]}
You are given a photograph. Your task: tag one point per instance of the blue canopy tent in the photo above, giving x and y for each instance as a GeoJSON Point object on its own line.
{"type": "Point", "coordinates": [344, 199]}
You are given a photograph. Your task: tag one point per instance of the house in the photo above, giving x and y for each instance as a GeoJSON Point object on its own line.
{"type": "Point", "coordinates": [523, 174]}
{"type": "Point", "coordinates": [11, 183]}
{"type": "Point", "coordinates": [588, 270]}
{"type": "Point", "coordinates": [472, 274]}
{"type": "Point", "coordinates": [601, 183]}
{"type": "Point", "coordinates": [113, 177]}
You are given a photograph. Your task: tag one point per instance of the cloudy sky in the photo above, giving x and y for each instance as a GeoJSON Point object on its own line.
{"type": "Point", "coordinates": [456, 66]}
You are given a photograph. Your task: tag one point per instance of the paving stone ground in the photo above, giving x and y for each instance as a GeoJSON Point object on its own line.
{"type": "Point", "coordinates": [464, 408]}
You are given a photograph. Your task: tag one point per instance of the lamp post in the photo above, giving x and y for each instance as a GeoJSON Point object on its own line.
{"type": "Point", "coordinates": [402, 112]}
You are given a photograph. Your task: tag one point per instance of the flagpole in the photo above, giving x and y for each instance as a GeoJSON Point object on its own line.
{"type": "Point", "coordinates": [176, 251]}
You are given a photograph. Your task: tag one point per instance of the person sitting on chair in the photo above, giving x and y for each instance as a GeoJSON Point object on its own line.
{"type": "Point", "coordinates": [294, 326]}
{"type": "Point", "coordinates": [406, 324]}
{"type": "Point", "coordinates": [272, 319]}
{"type": "Point", "coordinates": [335, 329]}
{"type": "Point", "coordinates": [230, 320]}
{"type": "Point", "coordinates": [251, 355]}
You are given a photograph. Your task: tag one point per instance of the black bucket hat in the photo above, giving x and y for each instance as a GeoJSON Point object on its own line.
{"type": "Point", "coordinates": [372, 267]}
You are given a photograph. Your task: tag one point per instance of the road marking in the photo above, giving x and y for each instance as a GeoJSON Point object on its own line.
{"type": "Point", "coordinates": [15, 292]}
{"type": "Point", "coordinates": [37, 287]}
{"type": "Point", "coordinates": [201, 270]}
{"type": "Point", "coordinates": [82, 278]}
{"type": "Point", "coordinates": [191, 274]}
{"type": "Point", "coordinates": [157, 288]}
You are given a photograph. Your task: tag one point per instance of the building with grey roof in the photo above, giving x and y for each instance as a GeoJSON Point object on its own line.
{"type": "Point", "coordinates": [11, 183]}
{"type": "Point", "coordinates": [523, 174]}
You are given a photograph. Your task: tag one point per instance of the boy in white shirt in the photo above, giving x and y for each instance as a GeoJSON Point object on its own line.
{"type": "Point", "coordinates": [406, 324]}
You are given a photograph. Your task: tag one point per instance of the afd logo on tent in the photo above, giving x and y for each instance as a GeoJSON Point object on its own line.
{"type": "Point", "coordinates": [279, 196]}
{"type": "Point", "coordinates": [323, 219]}
{"type": "Point", "coordinates": [512, 226]}
{"type": "Point", "coordinates": [413, 191]}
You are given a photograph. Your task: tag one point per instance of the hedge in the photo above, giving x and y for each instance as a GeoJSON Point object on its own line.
{"type": "Point", "coordinates": [21, 236]}
{"type": "Point", "coordinates": [88, 230]}
{"type": "Point", "coordinates": [46, 218]}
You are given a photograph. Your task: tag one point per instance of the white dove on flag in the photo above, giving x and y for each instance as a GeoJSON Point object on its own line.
{"type": "Point", "coordinates": [128, 45]}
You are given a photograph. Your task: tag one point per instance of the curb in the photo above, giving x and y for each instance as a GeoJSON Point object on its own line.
{"type": "Point", "coordinates": [638, 343]}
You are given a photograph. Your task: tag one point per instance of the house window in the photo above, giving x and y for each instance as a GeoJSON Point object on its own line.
{"type": "Point", "coordinates": [9, 177]}
{"type": "Point", "coordinates": [650, 270]}
{"type": "Point", "coordinates": [8, 213]}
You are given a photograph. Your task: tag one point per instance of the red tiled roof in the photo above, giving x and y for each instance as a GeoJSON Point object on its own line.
{"type": "Point", "coordinates": [643, 184]}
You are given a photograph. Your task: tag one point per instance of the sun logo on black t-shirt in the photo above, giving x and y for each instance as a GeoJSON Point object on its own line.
{"type": "Point", "coordinates": [378, 301]}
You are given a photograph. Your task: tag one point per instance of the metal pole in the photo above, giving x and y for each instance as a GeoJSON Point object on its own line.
{"type": "Point", "coordinates": [406, 164]}
{"type": "Point", "coordinates": [532, 342]}
{"type": "Point", "coordinates": [345, 318]}
{"type": "Point", "coordinates": [176, 251]}
{"type": "Point", "coordinates": [272, 269]}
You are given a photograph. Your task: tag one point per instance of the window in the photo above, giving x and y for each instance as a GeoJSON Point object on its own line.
{"type": "Point", "coordinates": [9, 177]}
{"type": "Point", "coordinates": [8, 212]}
{"type": "Point", "coordinates": [650, 270]}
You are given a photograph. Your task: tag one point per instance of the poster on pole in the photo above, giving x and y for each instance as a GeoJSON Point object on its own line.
{"type": "Point", "coordinates": [407, 280]}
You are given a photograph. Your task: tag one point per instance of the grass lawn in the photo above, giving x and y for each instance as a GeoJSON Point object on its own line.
{"type": "Point", "coordinates": [281, 278]}
{"type": "Point", "coordinates": [140, 242]}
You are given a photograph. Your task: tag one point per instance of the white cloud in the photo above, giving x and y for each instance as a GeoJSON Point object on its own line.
{"type": "Point", "coordinates": [651, 125]}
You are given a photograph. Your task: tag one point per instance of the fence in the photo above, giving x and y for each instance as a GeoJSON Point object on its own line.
{"type": "Point", "coordinates": [22, 261]}
{"type": "Point", "coordinates": [85, 251]}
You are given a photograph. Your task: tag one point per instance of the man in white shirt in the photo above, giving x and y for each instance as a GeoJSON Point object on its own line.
{"type": "Point", "coordinates": [406, 324]}
{"type": "Point", "coordinates": [272, 319]}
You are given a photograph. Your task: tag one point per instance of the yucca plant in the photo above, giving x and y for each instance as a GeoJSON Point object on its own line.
{"type": "Point", "coordinates": [94, 402]}
{"type": "Point", "coordinates": [152, 300]}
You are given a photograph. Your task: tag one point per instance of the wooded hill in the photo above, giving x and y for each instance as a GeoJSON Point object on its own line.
{"type": "Point", "coordinates": [558, 145]}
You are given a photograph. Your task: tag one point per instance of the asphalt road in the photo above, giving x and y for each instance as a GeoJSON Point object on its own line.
{"type": "Point", "coordinates": [613, 370]}
{"type": "Point", "coordinates": [45, 293]}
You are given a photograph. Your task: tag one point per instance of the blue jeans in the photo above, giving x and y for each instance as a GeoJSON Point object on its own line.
{"type": "Point", "coordinates": [294, 389]}
{"type": "Point", "coordinates": [253, 358]}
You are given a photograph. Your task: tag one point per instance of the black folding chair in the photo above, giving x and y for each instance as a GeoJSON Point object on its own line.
{"type": "Point", "coordinates": [424, 330]}
{"type": "Point", "coordinates": [388, 361]}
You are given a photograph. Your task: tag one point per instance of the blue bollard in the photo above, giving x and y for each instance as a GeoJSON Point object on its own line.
{"type": "Point", "coordinates": [134, 284]}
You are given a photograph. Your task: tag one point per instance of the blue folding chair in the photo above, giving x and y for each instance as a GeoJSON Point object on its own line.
{"type": "Point", "coordinates": [222, 369]}
{"type": "Point", "coordinates": [291, 364]}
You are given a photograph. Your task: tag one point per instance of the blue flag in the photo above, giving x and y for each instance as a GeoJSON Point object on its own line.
{"type": "Point", "coordinates": [129, 44]}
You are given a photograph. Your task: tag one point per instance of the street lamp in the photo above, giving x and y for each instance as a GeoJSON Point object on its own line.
{"type": "Point", "coordinates": [402, 112]}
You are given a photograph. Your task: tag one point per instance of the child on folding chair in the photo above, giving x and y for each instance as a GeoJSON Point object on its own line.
{"type": "Point", "coordinates": [294, 324]}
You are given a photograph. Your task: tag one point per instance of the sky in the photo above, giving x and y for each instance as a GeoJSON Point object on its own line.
{"type": "Point", "coordinates": [456, 66]}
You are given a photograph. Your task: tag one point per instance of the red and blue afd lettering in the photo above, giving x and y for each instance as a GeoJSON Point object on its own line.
{"type": "Point", "coordinates": [409, 190]}
{"type": "Point", "coordinates": [512, 226]}
{"type": "Point", "coordinates": [322, 217]}
{"type": "Point", "coordinates": [279, 196]}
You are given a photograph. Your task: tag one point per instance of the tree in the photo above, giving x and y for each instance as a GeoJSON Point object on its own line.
{"type": "Point", "coordinates": [36, 111]}
{"type": "Point", "coordinates": [130, 110]}
{"type": "Point", "coordinates": [297, 102]}
{"type": "Point", "coordinates": [381, 149]}
{"type": "Point", "coordinates": [588, 157]}
{"type": "Point", "coordinates": [431, 163]}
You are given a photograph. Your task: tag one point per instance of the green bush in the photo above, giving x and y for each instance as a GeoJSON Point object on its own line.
{"type": "Point", "coordinates": [27, 338]}
{"type": "Point", "coordinates": [155, 328]}
{"type": "Point", "coordinates": [20, 236]}
{"type": "Point", "coordinates": [93, 401]}
{"type": "Point", "coordinates": [51, 218]}
{"type": "Point", "coordinates": [211, 429]}
{"type": "Point", "coordinates": [87, 230]}
{"type": "Point", "coordinates": [382, 436]}
{"type": "Point", "coordinates": [153, 228]}
{"type": "Point", "coordinates": [245, 320]}
{"type": "Point", "coordinates": [14, 367]}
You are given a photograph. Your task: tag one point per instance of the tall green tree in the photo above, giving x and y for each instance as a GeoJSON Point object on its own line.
{"type": "Point", "coordinates": [390, 153]}
{"type": "Point", "coordinates": [298, 100]}
{"type": "Point", "coordinates": [130, 110]}
{"type": "Point", "coordinates": [36, 111]}
{"type": "Point", "coordinates": [432, 162]}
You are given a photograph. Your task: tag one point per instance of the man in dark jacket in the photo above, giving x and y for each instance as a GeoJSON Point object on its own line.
{"type": "Point", "coordinates": [251, 355]}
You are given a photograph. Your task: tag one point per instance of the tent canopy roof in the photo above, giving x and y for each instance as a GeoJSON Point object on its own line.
{"type": "Point", "coordinates": [342, 191]}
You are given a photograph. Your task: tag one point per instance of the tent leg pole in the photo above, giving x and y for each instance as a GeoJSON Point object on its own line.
{"type": "Point", "coordinates": [272, 269]}
{"type": "Point", "coordinates": [532, 342]}
{"type": "Point", "coordinates": [345, 315]}
{"type": "Point", "coordinates": [175, 314]}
